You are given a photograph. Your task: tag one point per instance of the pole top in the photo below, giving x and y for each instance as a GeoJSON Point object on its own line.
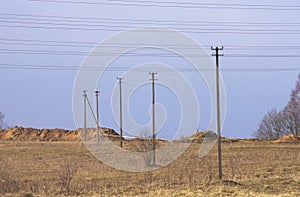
{"type": "Point", "coordinates": [97, 92]}
{"type": "Point", "coordinates": [217, 48]}
{"type": "Point", "coordinates": [153, 73]}
{"type": "Point", "coordinates": [84, 92]}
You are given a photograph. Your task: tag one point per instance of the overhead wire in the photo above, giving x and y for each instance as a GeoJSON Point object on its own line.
{"type": "Point", "coordinates": [133, 54]}
{"type": "Point", "coordinates": [211, 31]}
{"type": "Point", "coordinates": [132, 20]}
{"type": "Point", "coordinates": [35, 22]}
{"type": "Point", "coordinates": [172, 4]}
{"type": "Point", "coordinates": [59, 43]}
{"type": "Point", "coordinates": [114, 69]}
{"type": "Point", "coordinates": [110, 27]}
{"type": "Point", "coordinates": [231, 48]}
{"type": "Point", "coordinates": [187, 29]}
{"type": "Point", "coordinates": [72, 19]}
{"type": "Point", "coordinates": [107, 24]}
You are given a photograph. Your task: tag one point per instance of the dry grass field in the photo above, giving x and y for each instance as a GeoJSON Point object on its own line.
{"type": "Point", "coordinates": [250, 168]}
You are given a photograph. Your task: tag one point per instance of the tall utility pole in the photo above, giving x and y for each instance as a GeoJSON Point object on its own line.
{"type": "Point", "coordinates": [84, 114]}
{"type": "Point", "coordinates": [217, 49]}
{"type": "Point", "coordinates": [121, 120]}
{"type": "Point", "coordinates": [153, 115]}
{"type": "Point", "coordinates": [97, 115]}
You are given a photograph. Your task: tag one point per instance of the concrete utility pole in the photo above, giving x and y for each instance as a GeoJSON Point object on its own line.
{"type": "Point", "coordinates": [97, 114]}
{"type": "Point", "coordinates": [84, 115]}
{"type": "Point", "coordinates": [217, 49]}
{"type": "Point", "coordinates": [153, 114]}
{"type": "Point", "coordinates": [121, 119]}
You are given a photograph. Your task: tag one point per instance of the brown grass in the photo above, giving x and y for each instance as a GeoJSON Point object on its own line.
{"type": "Point", "coordinates": [67, 168]}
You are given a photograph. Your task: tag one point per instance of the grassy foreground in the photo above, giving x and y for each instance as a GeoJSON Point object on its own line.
{"type": "Point", "coordinates": [67, 168]}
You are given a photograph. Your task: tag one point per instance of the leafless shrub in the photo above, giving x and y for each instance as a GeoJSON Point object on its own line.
{"type": "Point", "coordinates": [144, 145]}
{"type": "Point", "coordinates": [66, 176]}
{"type": "Point", "coordinates": [232, 168]}
{"type": "Point", "coordinates": [209, 171]}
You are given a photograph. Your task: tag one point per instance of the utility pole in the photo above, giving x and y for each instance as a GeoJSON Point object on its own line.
{"type": "Point", "coordinates": [153, 114]}
{"type": "Point", "coordinates": [217, 49]}
{"type": "Point", "coordinates": [84, 115]}
{"type": "Point", "coordinates": [121, 120]}
{"type": "Point", "coordinates": [97, 114]}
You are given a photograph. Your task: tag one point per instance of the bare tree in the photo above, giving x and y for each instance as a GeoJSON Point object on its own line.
{"type": "Point", "coordinates": [276, 124]}
{"type": "Point", "coordinates": [292, 111]}
{"type": "Point", "coordinates": [272, 126]}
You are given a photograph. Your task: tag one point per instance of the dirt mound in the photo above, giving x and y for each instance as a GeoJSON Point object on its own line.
{"type": "Point", "coordinates": [230, 140]}
{"type": "Point", "coordinates": [92, 134]}
{"type": "Point", "coordinates": [31, 134]}
{"type": "Point", "coordinates": [159, 141]}
{"type": "Point", "coordinates": [252, 140]}
{"type": "Point", "coordinates": [204, 134]}
{"type": "Point", "coordinates": [289, 138]}
{"type": "Point", "coordinates": [197, 137]}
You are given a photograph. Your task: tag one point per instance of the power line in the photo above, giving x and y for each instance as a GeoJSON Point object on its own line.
{"type": "Point", "coordinates": [216, 31]}
{"type": "Point", "coordinates": [189, 5]}
{"type": "Point", "coordinates": [72, 45]}
{"type": "Point", "coordinates": [262, 56]}
{"type": "Point", "coordinates": [46, 45]}
{"type": "Point", "coordinates": [47, 41]}
{"type": "Point", "coordinates": [120, 27]}
{"type": "Point", "coordinates": [114, 69]}
{"type": "Point", "coordinates": [133, 20]}
{"type": "Point", "coordinates": [87, 27]}
{"type": "Point", "coordinates": [57, 43]}
{"type": "Point", "coordinates": [134, 54]}
{"type": "Point", "coordinates": [257, 6]}
{"type": "Point", "coordinates": [211, 4]}
{"type": "Point", "coordinates": [97, 21]}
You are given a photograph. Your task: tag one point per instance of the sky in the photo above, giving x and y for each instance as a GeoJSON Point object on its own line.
{"type": "Point", "coordinates": [43, 43]}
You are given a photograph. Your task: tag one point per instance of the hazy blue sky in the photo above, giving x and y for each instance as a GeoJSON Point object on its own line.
{"type": "Point", "coordinates": [42, 43]}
